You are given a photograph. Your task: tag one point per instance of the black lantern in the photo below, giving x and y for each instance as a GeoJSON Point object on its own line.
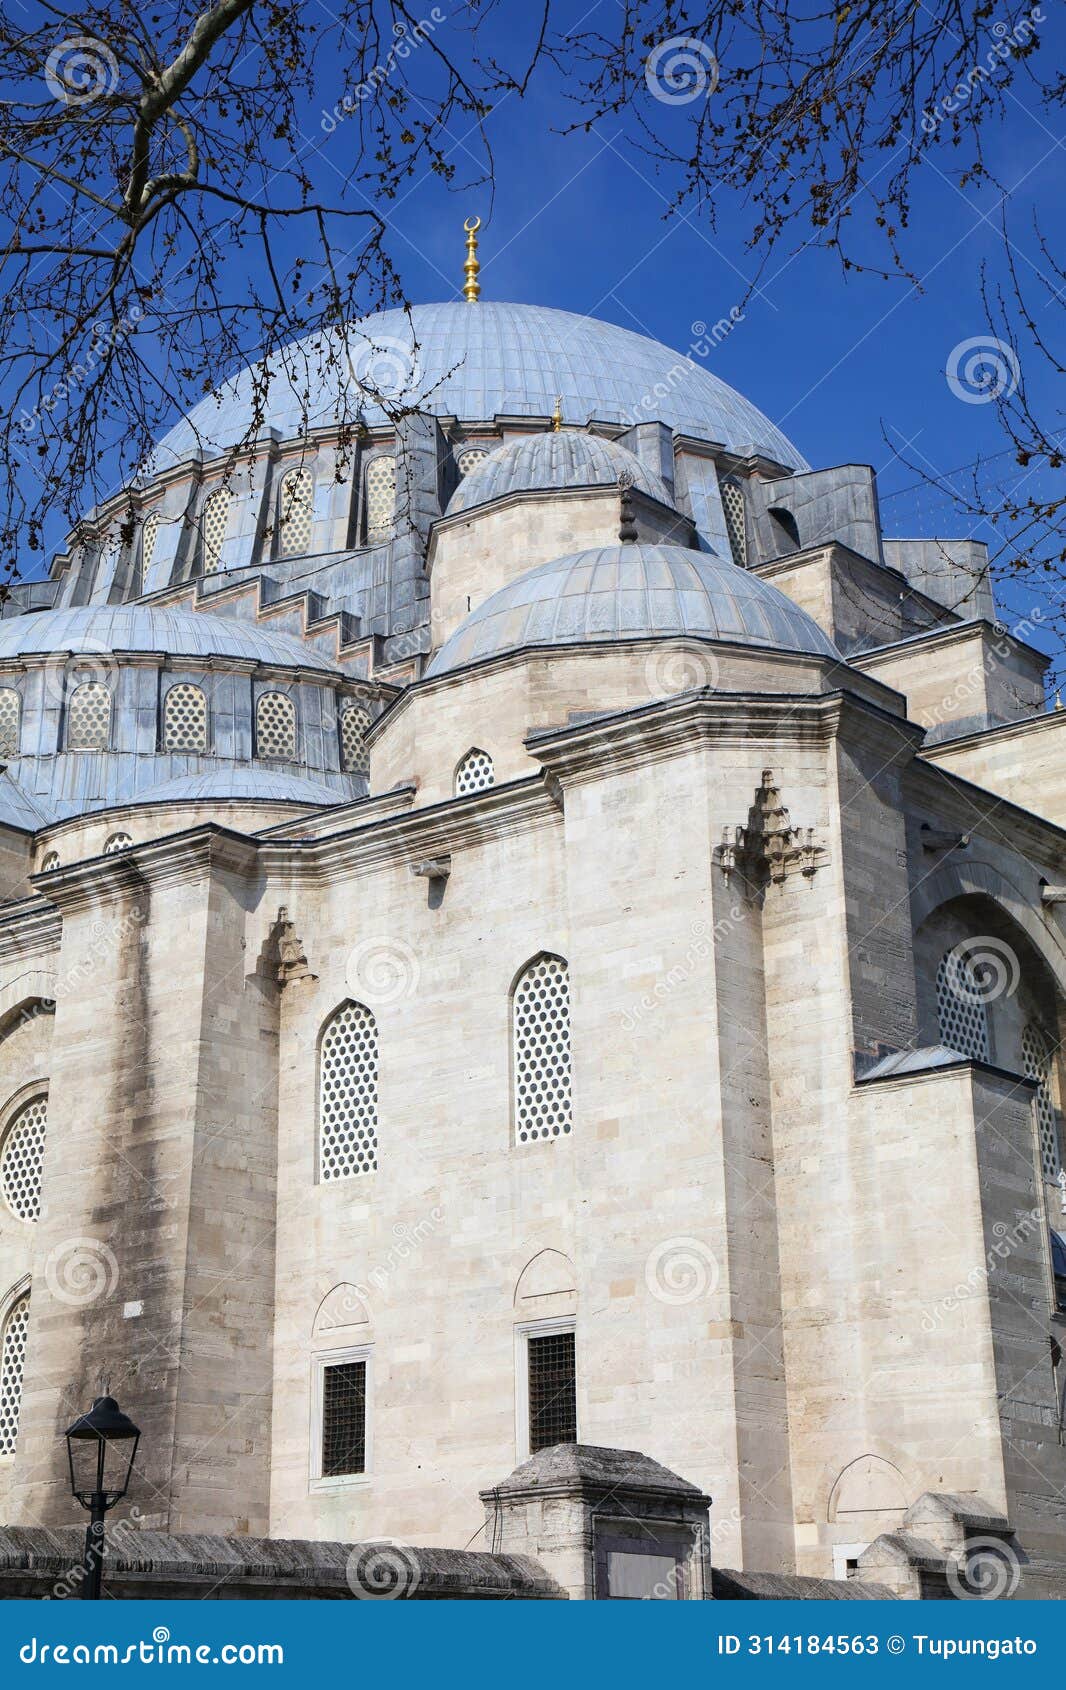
{"type": "Point", "coordinates": [101, 1447]}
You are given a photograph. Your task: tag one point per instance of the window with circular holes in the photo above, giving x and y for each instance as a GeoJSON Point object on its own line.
{"type": "Point", "coordinates": [348, 1094]}
{"type": "Point", "coordinates": [12, 1366]}
{"type": "Point", "coordinates": [540, 1015]}
{"type": "Point", "coordinates": [21, 1155]}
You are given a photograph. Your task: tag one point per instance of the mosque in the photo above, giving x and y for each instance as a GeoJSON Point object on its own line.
{"type": "Point", "coordinates": [532, 969]}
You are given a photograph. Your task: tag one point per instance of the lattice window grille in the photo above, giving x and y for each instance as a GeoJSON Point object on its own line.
{"type": "Point", "coordinates": [51, 861]}
{"type": "Point", "coordinates": [149, 535]}
{"type": "Point", "coordinates": [348, 1094]}
{"type": "Point", "coordinates": [380, 498]}
{"type": "Point", "coordinates": [343, 1419]}
{"type": "Point", "coordinates": [118, 842]}
{"type": "Point", "coordinates": [12, 1367]}
{"type": "Point", "coordinates": [21, 1157]}
{"type": "Point", "coordinates": [355, 758]}
{"type": "Point", "coordinates": [10, 709]}
{"type": "Point", "coordinates": [185, 718]}
{"type": "Point", "coordinates": [89, 717]}
{"type": "Point", "coordinates": [214, 524]}
{"type": "Point", "coordinates": [733, 510]}
{"type": "Point", "coordinates": [541, 1055]}
{"type": "Point", "coordinates": [474, 773]}
{"type": "Point", "coordinates": [297, 506]}
{"type": "Point", "coordinates": [963, 1020]}
{"type": "Point", "coordinates": [275, 726]}
{"type": "Point", "coordinates": [1037, 1060]}
{"type": "Point", "coordinates": [468, 458]}
{"type": "Point", "coordinates": [552, 1390]}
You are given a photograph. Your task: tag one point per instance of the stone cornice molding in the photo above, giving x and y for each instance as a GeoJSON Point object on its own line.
{"type": "Point", "coordinates": [974, 809]}
{"type": "Point", "coordinates": [190, 856]}
{"type": "Point", "coordinates": [956, 633]}
{"type": "Point", "coordinates": [32, 927]}
{"type": "Point", "coordinates": [1002, 732]}
{"type": "Point", "coordinates": [607, 490]}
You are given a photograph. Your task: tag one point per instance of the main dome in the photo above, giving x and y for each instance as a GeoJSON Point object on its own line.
{"type": "Point", "coordinates": [476, 362]}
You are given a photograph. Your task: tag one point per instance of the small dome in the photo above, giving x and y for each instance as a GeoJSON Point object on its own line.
{"type": "Point", "coordinates": [630, 592]}
{"type": "Point", "coordinates": [566, 459]}
{"type": "Point", "coordinates": [97, 629]}
{"type": "Point", "coordinates": [269, 786]}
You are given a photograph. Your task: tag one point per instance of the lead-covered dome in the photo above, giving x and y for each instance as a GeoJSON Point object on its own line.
{"type": "Point", "coordinates": [477, 362]}
{"type": "Point", "coordinates": [550, 462]}
{"type": "Point", "coordinates": [629, 592]}
{"type": "Point", "coordinates": [101, 629]}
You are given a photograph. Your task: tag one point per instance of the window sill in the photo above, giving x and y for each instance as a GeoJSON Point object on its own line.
{"type": "Point", "coordinates": [345, 1482]}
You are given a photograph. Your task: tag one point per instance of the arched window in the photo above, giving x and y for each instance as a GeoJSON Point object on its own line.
{"type": "Point", "coordinates": [348, 1094]}
{"type": "Point", "coordinates": [149, 535]}
{"type": "Point", "coordinates": [296, 505]}
{"type": "Point", "coordinates": [475, 773]}
{"type": "Point", "coordinates": [12, 1367]}
{"type": "Point", "coordinates": [379, 498]}
{"type": "Point", "coordinates": [214, 522]}
{"type": "Point", "coordinates": [89, 717]}
{"type": "Point", "coordinates": [185, 718]}
{"type": "Point", "coordinates": [275, 726]}
{"type": "Point", "coordinates": [50, 862]}
{"type": "Point", "coordinates": [21, 1155]}
{"type": "Point", "coordinates": [733, 510]}
{"type": "Point", "coordinates": [355, 719]}
{"type": "Point", "coordinates": [10, 716]}
{"type": "Point", "coordinates": [117, 842]}
{"type": "Point", "coordinates": [1038, 1059]}
{"type": "Point", "coordinates": [786, 533]}
{"type": "Point", "coordinates": [960, 1007]}
{"type": "Point", "coordinates": [468, 458]}
{"type": "Point", "coordinates": [540, 1031]}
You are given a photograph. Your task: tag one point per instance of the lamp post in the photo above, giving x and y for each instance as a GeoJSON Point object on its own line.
{"type": "Point", "coordinates": [101, 1447]}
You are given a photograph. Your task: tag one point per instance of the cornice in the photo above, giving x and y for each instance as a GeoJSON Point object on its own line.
{"type": "Point", "coordinates": [187, 856]}
{"type": "Point", "coordinates": [997, 818]}
{"type": "Point", "coordinates": [29, 928]}
{"type": "Point", "coordinates": [1002, 732]}
{"type": "Point", "coordinates": [955, 634]}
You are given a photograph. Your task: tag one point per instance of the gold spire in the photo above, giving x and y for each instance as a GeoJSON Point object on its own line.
{"type": "Point", "coordinates": [1058, 701]}
{"type": "Point", "coordinates": [557, 415]}
{"type": "Point", "coordinates": [471, 287]}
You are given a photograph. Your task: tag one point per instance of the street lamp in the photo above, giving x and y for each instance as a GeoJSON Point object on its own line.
{"type": "Point", "coordinates": [101, 1446]}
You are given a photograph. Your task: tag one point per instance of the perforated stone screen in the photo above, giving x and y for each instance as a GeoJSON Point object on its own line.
{"type": "Point", "coordinates": [275, 726]}
{"type": "Point", "coordinates": [963, 1020]}
{"type": "Point", "coordinates": [1037, 1060]}
{"type": "Point", "coordinates": [185, 718]}
{"type": "Point", "coordinates": [355, 719]}
{"type": "Point", "coordinates": [348, 1094]}
{"type": "Point", "coordinates": [89, 717]}
{"type": "Point", "coordinates": [380, 498]}
{"type": "Point", "coordinates": [50, 862]}
{"type": "Point", "coordinates": [468, 458]}
{"type": "Point", "coordinates": [474, 773]}
{"type": "Point", "coordinates": [12, 1366]}
{"type": "Point", "coordinates": [149, 535]}
{"type": "Point", "coordinates": [20, 1159]}
{"type": "Point", "coordinates": [541, 1036]}
{"type": "Point", "coordinates": [118, 842]}
{"type": "Point", "coordinates": [214, 522]}
{"type": "Point", "coordinates": [733, 510]}
{"type": "Point", "coordinates": [296, 509]}
{"type": "Point", "coordinates": [9, 722]}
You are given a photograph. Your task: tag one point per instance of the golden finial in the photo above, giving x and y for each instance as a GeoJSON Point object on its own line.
{"type": "Point", "coordinates": [1058, 701]}
{"type": "Point", "coordinates": [471, 287]}
{"type": "Point", "coordinates": [557, 415]}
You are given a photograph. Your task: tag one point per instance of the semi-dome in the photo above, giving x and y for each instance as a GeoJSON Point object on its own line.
{"type": "Point", "coordinates": [94, 630]}
{"type": "Point", "coordinates": [628, 592]}
{"type": "Point", "coordinates": [477, 362]}
{"type": "Point", "coordinates": [552, 461]}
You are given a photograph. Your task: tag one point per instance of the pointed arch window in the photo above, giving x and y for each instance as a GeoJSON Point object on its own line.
{"type": "Point", "coordinates": [733, 510]}
{"type": "Point", "coordinates": [296, 505]}
{"type": "Point", "coordinates": [474, 773]}
{"type": "Point", "coordinates": [1038, 1059]}
{"type": "Point", "coordinates": [379, 498]}
{"type": "Point", "coordinates": [12, 1367]}
{"type": "Point", "coordinates": [149, 535]}
{"type": "Point", "coordinates": [89, 717]}
{"type": "Point", "coordinates": [540, 1038]}
{"type": "Point", "coordinates": [21, 1158]}
{"type": "Point", "coordinates": [355, 720]}
{"type": "Point", "coordinates": [214, 524]}
{"type": "Point", "coordinates": [348, 1094]}
{"type": "Point", "coordinates": [275, 726]}
{"type": "Point", "coordinates": [961, 1008]}
{"type": "Point", "coordinates": [10, 720]}
{"type": "Point", "coordinates": [118, 842]}
{"type": "Point", "coordinates": [185, 718]}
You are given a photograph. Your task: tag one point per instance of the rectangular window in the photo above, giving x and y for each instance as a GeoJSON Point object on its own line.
{"type": "Point", "coordinates": [343, 1419]}
{"type": "Point", "coordinates": [552, 1390]}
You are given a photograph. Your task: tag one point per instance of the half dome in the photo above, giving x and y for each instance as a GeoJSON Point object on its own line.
{"type": "Point", "coordinates": [553, 461]}
{"type": "Point", "coordinates": [95, 630]}
{"type": "Point", "coordinates": [270, 786]}
{"type": "Point", "coordinates": [631, 592]}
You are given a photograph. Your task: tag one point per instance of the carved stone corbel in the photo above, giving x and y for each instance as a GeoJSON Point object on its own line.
{"type": "Point", "coordinates": [768, 847]}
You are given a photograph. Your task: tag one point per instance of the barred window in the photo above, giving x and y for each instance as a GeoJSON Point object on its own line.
{"type": "Point", "coordinates": [149, 535]}
{"type": "Point", "coordinates": [474, 773]}
{"type": "Point", "coordinates": [380, 498]}
{"type": "Point", "coordinates": [343, 1418]}
{"type": "Point", "coordinates": [1038, 1060]}
{"type": "Point", "coordinates": [960, 1007]}
{"type": "Point", "coordinates": [468, 458]}
{"type": "Point", "coordinates": [21, 1155]}
{"type": "Point", "coordinates": [355, 719]}
{"type": "Point", "coordinates": [214, 523]}
{"type": "Point", "coordinates": [185, 718]}
{"type": "Point", "coordinates": [275, 726]}
{"type": "Point", "coordinates": [552, 1390]}
{"type": "Point", "coordinates": [295, 512]}
{"type": "Point", "coordinates": [89, 717]}
{"type": "Point", "coordinates": [733, 510]}
{"type": "Point", "coordinates": [117, 842]}
{"type": "Point", "coordinates": [10, 715]}
{"type": "Point", "coordinates": [12, 1367]}
{"type": "Point", "coordinates": [541, 1050]}
{"type": "Point", "coordinates": [348, 1094]}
